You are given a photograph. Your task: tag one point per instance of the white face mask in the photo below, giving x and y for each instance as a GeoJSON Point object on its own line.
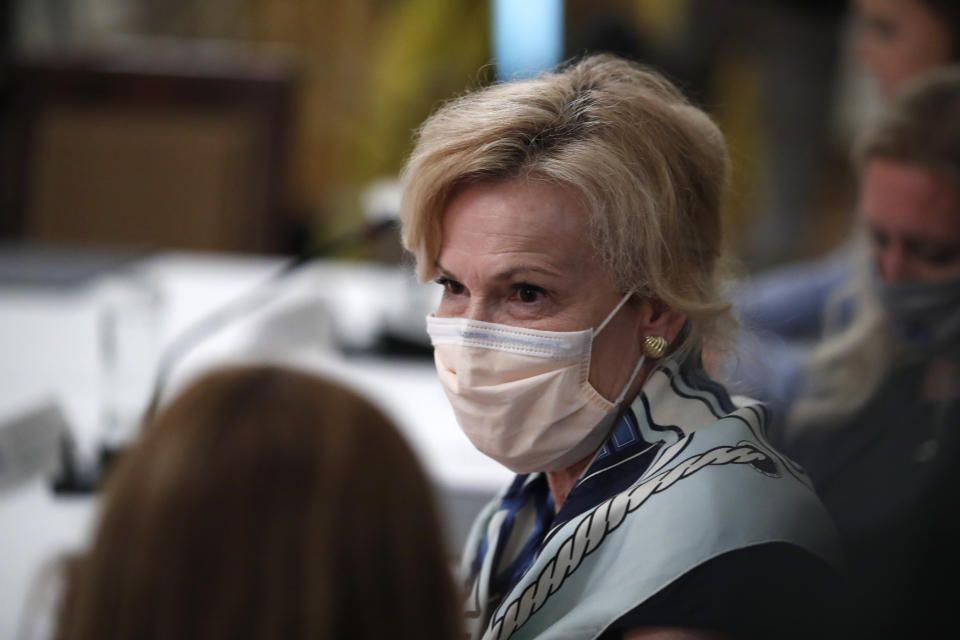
{"type": "Point", "coordinates": [522, 396]}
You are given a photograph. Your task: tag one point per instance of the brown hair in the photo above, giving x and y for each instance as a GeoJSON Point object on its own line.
{"type": "Point", "coordinates": [264, 503]}
{"type": "Point", "coordinates": [948, 12]}
{"type": "Point", "coordinates": [921, 127]}
{"type": "Point", "coordinates": [651, 168]}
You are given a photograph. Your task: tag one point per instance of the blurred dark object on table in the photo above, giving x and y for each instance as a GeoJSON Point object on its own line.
{"type": "Point", "coordinates": [59, 267]}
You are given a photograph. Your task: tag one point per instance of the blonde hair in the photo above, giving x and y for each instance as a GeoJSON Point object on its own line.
{"type": "Point", "coordinates": [264, 503]}
{"type": "Point", "coordinates": [921, 128]}
{"type": "Point", "coordinates": [858, 349]}
{"type": "Point", "coordinates": [651, 168]}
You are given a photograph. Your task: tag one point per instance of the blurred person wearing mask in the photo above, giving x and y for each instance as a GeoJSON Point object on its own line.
{"type": "Point", "coordinates": [573, 221]}
{"type": "Point", "coordinates": [782, 310]}
{"type": "Point", "coordinates": [877, 428]}
{"type": "Point", "coordinates": [264, 503]}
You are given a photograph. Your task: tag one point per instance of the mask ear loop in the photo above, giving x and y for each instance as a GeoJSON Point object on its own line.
{"type": "Point", "coordinates": [643, 357]}
{"type": "Point", "coordinates": [633, 376]}
{"type": "Point", "coordinates": [610, 315]}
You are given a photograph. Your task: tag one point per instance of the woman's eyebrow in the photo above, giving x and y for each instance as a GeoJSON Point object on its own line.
{"type": "Point", "coordinates": [506, 274]}
{"type": "Point", "coordinates": [443, 272]}
{"type": "Point", "coordinates": [511, 273]}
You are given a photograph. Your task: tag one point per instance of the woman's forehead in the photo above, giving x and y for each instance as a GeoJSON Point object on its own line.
{"type": "Point", "coordinates": [519, 220]}
{"type": "Point", "coordinates": [910, 199]}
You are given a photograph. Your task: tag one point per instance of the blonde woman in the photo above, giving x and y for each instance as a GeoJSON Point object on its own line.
{"type": "Point", "coordinates": [877, 429]}
{"type": "Point", "coordinates": [573, 222]}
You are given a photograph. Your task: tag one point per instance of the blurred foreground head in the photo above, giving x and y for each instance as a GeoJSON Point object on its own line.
{"type": "Point", "coordinates": [264, 503]}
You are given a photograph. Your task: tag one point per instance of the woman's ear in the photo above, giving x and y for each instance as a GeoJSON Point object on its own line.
{"type": "Point", "coordinates": [657, 319]}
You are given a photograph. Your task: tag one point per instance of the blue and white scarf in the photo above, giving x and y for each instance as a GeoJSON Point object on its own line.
{"type": "Point", "coordinates": [684, 477]}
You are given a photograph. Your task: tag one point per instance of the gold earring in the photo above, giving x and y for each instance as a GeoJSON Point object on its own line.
{"type": "Point", "coordinates": [654, 346]}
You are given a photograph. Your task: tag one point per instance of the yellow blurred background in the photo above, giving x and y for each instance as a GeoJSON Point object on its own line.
{"type": "Point", "coordinates": [269, 125]}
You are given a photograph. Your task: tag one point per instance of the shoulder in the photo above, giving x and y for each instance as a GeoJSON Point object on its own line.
{"type": "Point", "coordinates": [768, 590]}
{"type": "Point", "coordinates": [726, 487]}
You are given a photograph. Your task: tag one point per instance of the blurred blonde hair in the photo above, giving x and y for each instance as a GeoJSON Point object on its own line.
{"type": "Point", "coordinates": [650, 167]}
{"type": "Point", "coordinates": [857, 351]}
{"type": "Point", "coordinates": [264, 503]}
{"type": "Point", "coordinates": [920, 128]}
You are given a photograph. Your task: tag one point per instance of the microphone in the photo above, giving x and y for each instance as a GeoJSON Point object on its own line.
{"type": "Point", "coordinates": [252, 300]}
{"type": "Point", "coordinates": [196, 333]}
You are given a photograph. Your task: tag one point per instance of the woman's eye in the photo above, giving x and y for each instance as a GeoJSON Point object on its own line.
{"type": "Point", "coordinates": [529, 293]}
{"type": "Point", "coordinates": [881, 28]}
{"type": "Point", "coordinates": [938, 256]}
{"type": "Point", "coordinates": [880, 239]}
{"type": "Point", "coordinates": [450, 286]}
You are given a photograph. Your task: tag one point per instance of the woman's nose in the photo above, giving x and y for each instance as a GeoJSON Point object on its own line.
{"type": "Point", "coordinates": [893, 264]}
{"type": "Point", "coordinates": [478, 309]}
{"type": "Point", "coordinates": [861, 50]}
{"type": "Point", "coordinates": [466, 305]}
